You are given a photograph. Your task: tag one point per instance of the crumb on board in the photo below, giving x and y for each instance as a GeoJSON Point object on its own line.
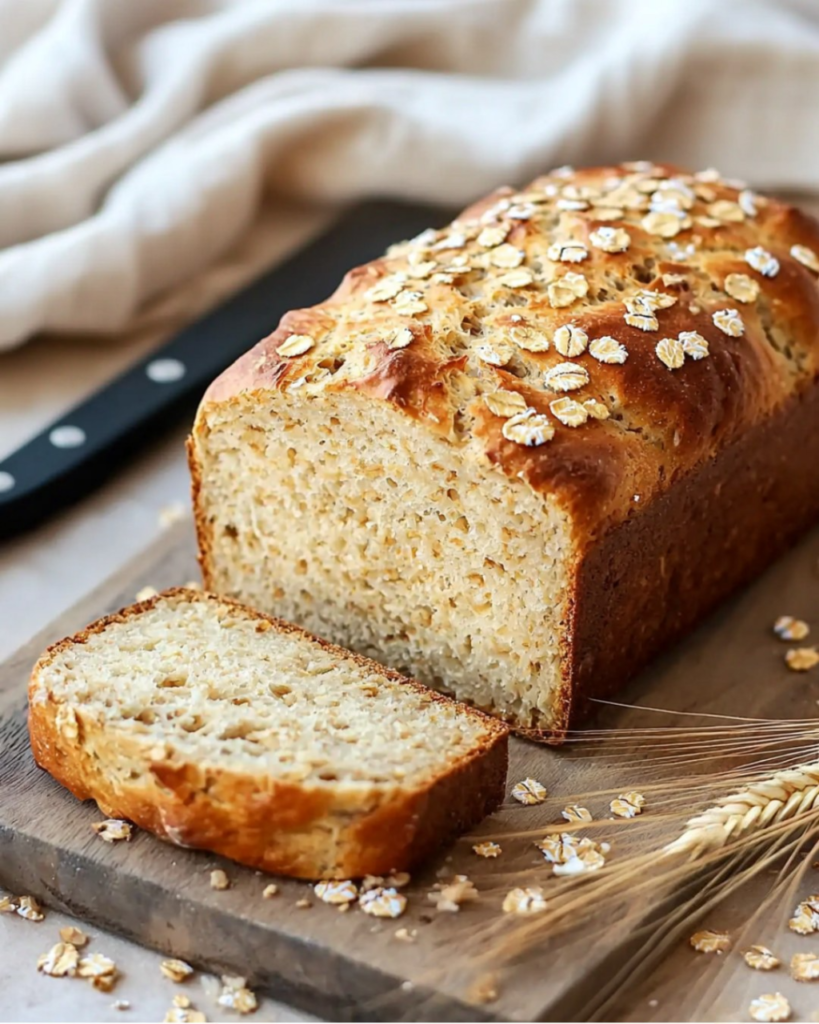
{"type": "Point", "coordinates": [710, 941]}
{"type": "Point", "coordinates": [219, 880]}
{"type": "Point", "coordinates": [770, 1007]}
{"type": "Point", "coordinates": [113, 830]}
{"type": "Point", "coordinates": [760, 958]}
{"type": "Point", "coordinates": [270, 891]}
{"type": "Point", "coordinates": [487, 849]}
{"type": "Point", "coordinates": [450, 896]}
{"type": "Point", "coordinates": [176, 970]}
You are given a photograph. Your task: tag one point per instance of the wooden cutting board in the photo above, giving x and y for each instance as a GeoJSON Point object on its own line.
{"type": "Point", "coordinates": [349, 965]}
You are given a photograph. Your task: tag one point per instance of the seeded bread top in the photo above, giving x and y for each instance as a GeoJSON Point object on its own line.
{"type": "Point", "coordinates": [595, 335]}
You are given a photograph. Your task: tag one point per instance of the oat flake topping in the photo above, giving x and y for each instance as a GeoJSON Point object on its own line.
{"type": "Point", "coordinates": [807, 257]}
{"type": "Point", "coordinates": [569, 412]}
{"type": "Point", "coordinates": [497, 353]}
{"type": "Point", "coordinates": [729, 322]}
{"type": "Point", "coordinates": [566, 377]}
{"type": "Point", "coordinates": [529, 428]}
{"type": "Point", "coordinates": [399, 338]}
{"type": "Point", "coordinates": [671, 352]}
{"type": "Point", "coordinates": [529, 338]}
{"type": "Point", "coordinates": [761, 260]}
{"type": "Point", "coordinates": [612, 240]}
{"type": "Point", "coordinates": [608, 350]}
{"type": "Point", "coordinates": [504, 403]}
{"type": "Point", "coordinates": [570, 340]}
{"type": "Point", "coordinates": [296, 345]}
{"type": "Point", "coordinates": [741, 287]}
{"type": "Point", "coordinates": [567, 252]}
{"type": "Point", "coordinates": [694, 345]}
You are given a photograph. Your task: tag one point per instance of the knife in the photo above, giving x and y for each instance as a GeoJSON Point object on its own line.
{"type": "Point", "coordinates": [80, 449]}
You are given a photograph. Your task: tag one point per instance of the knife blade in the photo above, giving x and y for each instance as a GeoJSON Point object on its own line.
{"type": "Point", "coordinates": [84, 446]}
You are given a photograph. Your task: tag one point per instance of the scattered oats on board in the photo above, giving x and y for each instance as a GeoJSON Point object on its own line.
{"type": "Point", "coordinates": [802, 659]}
{"type": "Point", "coordinates": [807, 257]}
{"type": "Point", "coordinates": [529, 791]}
{"type": "Point", "coordinates": [112, 830]}
{"type": "Point", "coordinates": [805, 967]}
{"type": "Point", "coordinates": [487, 849]}
{"type": "Point", "coordinates": [628, 805]}
{"type": "Point", "coordinates": [28, 908]}
{"type": "Point", "coordinates": [60, 961]}
{"type": "Point", "coordinates": [8, 905]}
{"type": "Point", "coordinates": [75, 936]}
{"type": "Point", "coordinates": [805, 920]}
{"type": "Point", "coordinates": [504, 403]}
{"type": "Point", "coordinates": [575, 813]}
{"type": "Point", "coordinates": [529, 428]}
{"type": "Point", "coordinates": [235, 995]}
{"type": "Point", "coordinates": [483, 991]}
{"type": "Point", "coordinates": [270, 891]}
{"type": "Point", "coordinates": [762, 261]}
{"type": "Point", "coordinates": [381, 902]}
{"type": "Point", "coordinates": [398, 879]}
{"type": "Point", "coordinates": [219, 880]}
{"type": "Point", "coordinates": [450, 896]}
{"type": "Point", "coordinates": [303, 904]}
{"type": "Point", "coordinates": [406, 934]}
{"type": "Point", "coordinates": [120, 1004]}
{"type": "Point", "coordinates": [572, 855]}
{"type": "Point", "coordinates": [709, 941]}
{"type": "Point", "coordinates": [170, 514]}
{"type": "Point", "coordinates": [787, 627]}
{"type": "Point", "coordinates": [770, 1007]}
{"type": "Point", "coordinates": [524, 901]}
{"type": "Point", "coordinates": [336, 892]}
{"type": "Point", "coordinates": [145, 594]}
{"type": "Point", "coordinates": [176, 970]}
{"type": "Point", "coordinates": [760, 958]}
{"type": "Point", "coordinates": [184, 1015]}
{"type": "Point", "coordinates": [100, 970]}
{"type": "Point", "coordinates": [729, 322]}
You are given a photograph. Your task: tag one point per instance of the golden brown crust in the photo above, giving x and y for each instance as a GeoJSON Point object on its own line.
{"type": "Point", "coordinates": [281, 827]}
{"type": "Point", "coordinates": [663, 423]}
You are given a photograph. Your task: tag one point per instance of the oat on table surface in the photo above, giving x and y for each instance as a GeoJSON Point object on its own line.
{"type": "Point", "coordinates": [710, 941]}
{"type": "Point", "coordinates": [529, 791]}
{"type": "Point", "coordinates": [113, 830]}
{"type": "Point", "coordinates": [770, 1007]}
{"type": "Point", "coordinates": [524, 901]}
{"type": "Point", "coordinates": [787, 627]}
{"type": "Point", "coordinates": [451, 896]}
{"type": "Point", "coordinates": [760, 958]}
{"type": "Point", "coordinates": [802, 659]}
{"type": "Point", "coordinates": [219, 880]}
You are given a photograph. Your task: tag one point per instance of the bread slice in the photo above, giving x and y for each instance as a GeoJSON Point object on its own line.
{"type": "Point", "coordinates": [219, 728]}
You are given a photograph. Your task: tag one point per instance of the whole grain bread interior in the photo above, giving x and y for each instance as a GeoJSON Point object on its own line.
{"type": "Point", "coordinates": [518, 456]}
{"type": "Point", "coordinates": [219, 728]}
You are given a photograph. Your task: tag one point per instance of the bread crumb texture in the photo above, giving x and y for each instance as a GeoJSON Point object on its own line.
{"type": "Point", "coordinates": [214, 726]}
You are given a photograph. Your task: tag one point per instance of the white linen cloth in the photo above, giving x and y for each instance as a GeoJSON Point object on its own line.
{"type": "Point", "coordinates": [139, 135]}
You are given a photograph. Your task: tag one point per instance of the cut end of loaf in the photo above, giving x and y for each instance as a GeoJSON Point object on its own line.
{"type": "Point", "coordinates": [339, 513]}
{"type": "Point", "coordinates": [217, 727]}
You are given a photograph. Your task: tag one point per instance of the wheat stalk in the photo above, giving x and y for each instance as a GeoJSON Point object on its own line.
{"type": "Point", "coordinates": [786, 794]}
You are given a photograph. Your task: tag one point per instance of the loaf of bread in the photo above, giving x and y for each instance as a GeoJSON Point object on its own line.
{"type": "Point", "coordinates": [219, 728]}
{"type": "Point", "coordinates": [518, 456]}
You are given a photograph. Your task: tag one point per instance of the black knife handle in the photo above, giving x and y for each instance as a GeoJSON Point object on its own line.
{"type": "Point", "coordinates": [91, 441]}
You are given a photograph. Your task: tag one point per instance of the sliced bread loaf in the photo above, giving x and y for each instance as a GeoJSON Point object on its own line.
{"type": "Point", "coordinates": [217, 727]}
